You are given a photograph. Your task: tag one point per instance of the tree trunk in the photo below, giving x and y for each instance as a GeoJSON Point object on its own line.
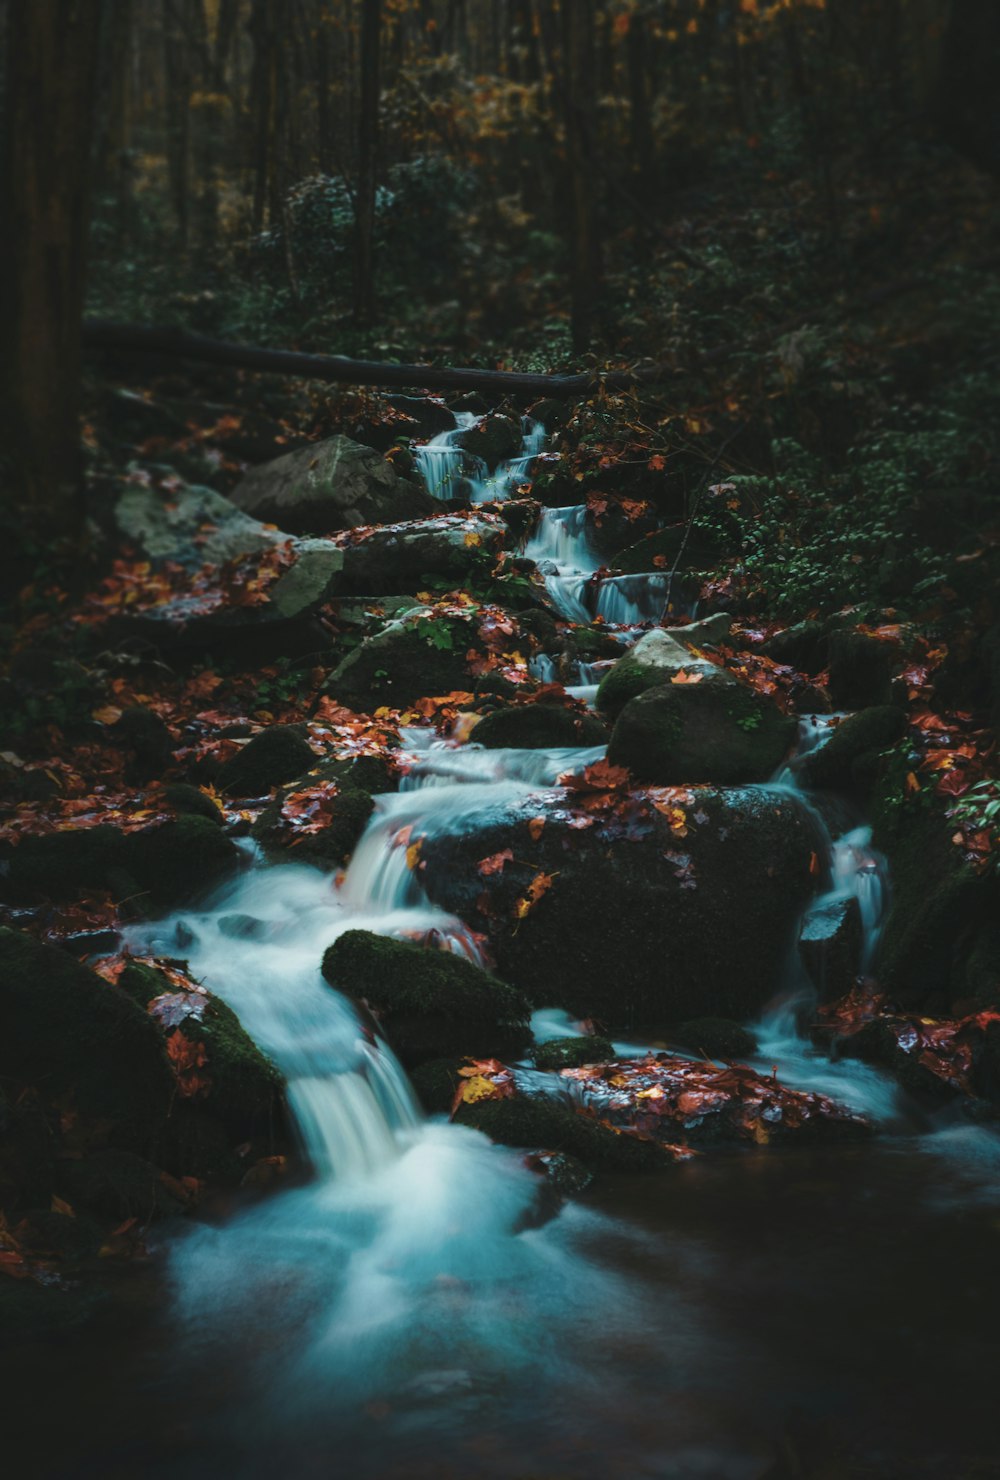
{"type": "Point", "coordinates": [967, 106]}
{"type": "Point", "coordinates": [364, 243]}
{"type": "Point", "coordinates": [52, 54]}
{"type": "Point", "coordinates": [577, 88]}
{"type": "Point", "coordinates": [178, 90]}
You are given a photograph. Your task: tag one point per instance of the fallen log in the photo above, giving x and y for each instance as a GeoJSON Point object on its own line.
{"type": "Point", "coordinates": [152, 342]}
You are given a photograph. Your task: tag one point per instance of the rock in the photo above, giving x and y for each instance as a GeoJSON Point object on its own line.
{"type": "Point", "coordinates": [390, 562]}
{"type": "Point", "coordinates": [69, 1033]}
{"type": "Point", "coordinates": [278, 754]}
{"type": "Point", "coordinates": [425, 416]}
{"type": "Point", "coordinates": [179, 860]}
{"type": "Point", "coordinates": [551, 412]}
{"type": "Point", "coordinates": [313, 579]}
{"type": "Point", "coordinates": [419, 654]}
{"type": "Point", "coordinates": [830, 946]}
{"type": "Point", "coordinates": [346, 807]}
{"type": "Point", "coordinates": [538, 727]}
{"type": "Point", "coordinates": [570, 1053]}
{"type": "Point", "coordinates": [145, 734]}
{"type": "Point", "coordinates": [801, 646]}
{"type": "Point", "coordinates": [719, 1038]}
{"type": "Point", "coordinates": [494, 439]}
{"type": "Point", "coordinates": [192, 801]}
{"type": "Point", "coordinates": [191, 526]}
{"type": "Point", "coordinates": [656, 659]}
{"type": "Point", "coordinates": [429, 1002]}
{"type": "Point", "coordinates": [545, 1121]}
{"type": "Point", "coordinates": [470, 401]}
{"type": "Point", "coordinates": [659, 549]}
{"type": "Point", "coordinates": [118, 1185]}
{"type": "Point", "coordinates": [861, 669]}
{"type": "Point", "coordinates": [850, 756]}
{"type": "Point", "coordinates": [724, 733]}
{"type": "Point", "coordinates": [59, 864]}
{"type": "Point", "coordinates": [627, 928]}
{"type": "Point", "coordinates": [244, 1092]}
{"type": "Point", "coordinates": [329, 485]}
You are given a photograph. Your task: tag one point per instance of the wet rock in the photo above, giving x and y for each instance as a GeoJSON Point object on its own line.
{"type": "Point", "coordinates": [190, 526]}
{"type": "Point", "coordinates": [415, 655]}
{"type": "Point", "coordinates": [343, 791]}
{"type": "Point", "coordinates": [534, 1120]}
{"type": "Point", "coordinates": [719, 1038]}
{"type": "Point", "coordinates": [570, 1053]}
{"type": "Point", "coordinates": [60, 864]}
{"type": "Point", "coordinates": [551, 412]}
{"type": "Point", "coordinates": [830, 946]}
{"type": "Point", "coordinates": [394, 561]}
{"type": "Point", "coordinates": [626, 930]}
{"type": "Point", "coordinates": [192, 801]}
{"type": "Point", "coordinates": [538, 727]}
{"type": "Point", "coordinates": [425, 416]}
{"type": "Point", "coordinates": [329, 485]}
{"type": "Point", "coordinates": [429, 1002]}
{"type": "Point", "coordinates": [314, 578]}
{"type": "Point", "coordinates": [494, 439]}
{"type": "Point", "coordinates": [118, 1185]}
{"type": "Point", "coordinates": [243, 1087]}
{"type": "Point", "coordinates": [179, 860]}
{"type": "Point", "coordinates": [802, 646]}
{"type": "Point", "coordinates": [861, 669]}
{"type": "Point", "coordinates": [849, 758]}
{"type": "Point", "coordinates": [708, 732]}
{"type": "Point", "coordinates": [656, 659]}
{"type": "Point", "coordinates": [276, 755]}
{"type": "Point", "coordinates": [71, 1034]}
{"type": "Point", "coordinates": [147, 737]}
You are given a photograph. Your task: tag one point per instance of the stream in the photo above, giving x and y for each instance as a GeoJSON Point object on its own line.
{"type": "Point", "coordinates": [406, 1313]}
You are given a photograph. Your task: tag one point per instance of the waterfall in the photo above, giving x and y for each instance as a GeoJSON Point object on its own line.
{"type": "Point", "coordinates": [450, 472]}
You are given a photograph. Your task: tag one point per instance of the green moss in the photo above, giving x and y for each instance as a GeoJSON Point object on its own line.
{"type": "Point", "coordinates": [719, 1038]}
{"type": "Point", "coordinates": [407, 660]}
{"type": "Point", "coordinates": [66, 1031]}
{"type": "Point", "coordinates": [847, 759]}
{"type": "Point", "coordinates": [570, 1053]}
{"type": "Point", "coordinates": [545, 1123]}
{"type": "Point", "coordinates": [435, 1083]}
{"type": "Point", "coordinates": [431, 1002]}
{"type": "Point", "coordinates": [538, 727]}
{"type": "Point", "coordinates": [191, 800]}
{"type": "Point", "coordinates": [347, 812]}
{"type": "Point", "coordinates": [709, 732]}
{"type": "Point", "coordinates": [62, 863]}
{"type": "Point", "coordinates": [625, 681]}
{"type": "Point", "coordinates": [278, 754]}
{"type": "Point", "coordinates": [180, 859]}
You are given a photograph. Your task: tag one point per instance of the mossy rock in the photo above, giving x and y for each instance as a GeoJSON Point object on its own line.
{"type": "Point", "coordinates": [494, 439]}
{"type": "Point", "coordinates": [800, 646]}
{"type": "Point", "coordinates": [246, 1088]}
{"type": "Point", "coordinates": [117, 1185]}
{"type": "Point", "coordinates": [660, 550]}
{"type": "Point", "coordinates": [147, 737]}
{"type": "Point", "coordinates": [191, 801]}
{"type": "Point", "coordinates": [278, 754]}
{"type": "Point", "coordinates": [848, 760]}
{"type": "Point", "coordinates": [570, 1053]}
{"type": "Point", "coordinates": [179, 860]}
{"type": "Point", "coordinates": [194, 1143]}
{"type": "Point", "coordinates": [716, 733]}
{"type": "Point", "coordinates": [354, 783]}
{"type": "Point", "coordinates": [719, 1038]}
{"type": "Point", "coordinates": [656, 659]}
{"type": "Point", "coordinates": [538, 727]}
{"type": "Point", "coordinates": [415, 656]}
{"type": "Point", "coordinates": [431, 1003]}
{"type": "Point", "coordinates": [66, 1031]}
{"type": "Point", "coordinates": [435, 1082]}
{"type": "Point", "coordinates": [861, 669]}
{"type": "Point", "coordinates": [64, 1236]}
{"type": "Point", "coordinates": [544, 1122]}
{"type": "Point", "coordinates": [60, 864]}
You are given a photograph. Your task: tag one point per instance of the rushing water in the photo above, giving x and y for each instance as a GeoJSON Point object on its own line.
{"type": "Point", "coordinates": [415, 1309]}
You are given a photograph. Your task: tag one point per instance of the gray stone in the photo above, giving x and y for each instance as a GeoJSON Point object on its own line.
{"type": "Point", "coordinates": [192, 527]}
{"type": "Point", "coordinates": [830, 946]}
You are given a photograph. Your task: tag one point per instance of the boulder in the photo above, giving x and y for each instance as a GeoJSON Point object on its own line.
{"type": "Point", "coordinates": [801, 646]}
{"type": "Point", "coordinates": [59, 864]}
{"type": "Point", "coordinates": [78, 1039]}
{"type": "Point", "coordinates": [145, 735]}
{"type": "Point", "coordinates": [830, 946]}
{"type": "Point", "coordinates": [861, 669]}
{"type": "Point", "coordinates": [538, 727]}
{"type": "Point", "coordinates": [615, 914]}
{"type": "Point", "coordinates": [190, 526]}
{"type": "Point", "coordinates": [658, 658]}
{"type": "Point", "coordinates": [430, 1003]}
{"type": "Point", "coordinates": [179, 860]}
{"type": "Point", "coordinates": [661, 549]}
{"type": "Point", "coordinates": [278, 754]}
{"type": "Point", "coordinates": [849, 757]}
{"type": "Point", "coordinates": [570, 1053]}
{"type": "Point", "coordinates": [425, 417]}
{"type": "Point", "coordinates": [494, 439]}
{"type": "Point", "coordinates": [719, 1038]}
{"type": "Point", "coordinates": [329, 485]}
{"type": "Point", "coordinates": [390, 562]}
{"type": "Point", "coordinates": [720, 732]}
{"type": "Point", "coordinates": [421, 653]}
{"type": "Point", "coordinates": [338, 795]}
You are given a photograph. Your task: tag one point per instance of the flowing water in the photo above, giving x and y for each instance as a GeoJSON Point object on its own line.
{"type": "Point", "coordinates": [417, 1308]}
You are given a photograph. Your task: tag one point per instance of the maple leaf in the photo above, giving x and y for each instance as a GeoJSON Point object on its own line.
{"type": "Point", "coordinates": [495, 863]}
{"type": "Point", "coordinates": [538, 886]}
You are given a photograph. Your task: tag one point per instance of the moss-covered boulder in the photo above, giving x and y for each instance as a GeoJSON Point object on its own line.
{"type": "Point", "coordinates": [724, 733]}
{"type": "Point", "coordinates": [329, 485]}
{"type": "Point", "coordinates": [544, 1121]}
{"type": "Point", "coordinates": [179, 860]}
{"type": "Point", "coordinates": [71, 1035]}
{"type": "Point", "coordinates": [538, 727]}
{"type": "Point", "coordinates": [570, 1053]}
{"type": "Point", "coordinates": [719, 1038]}
{"type": "Point", "coordinates": [430, 1002]}
{"type": "Point", "coordinates": [415, 655]}
{"type": "Point", "coordinates": [494, 439]}
{"type": "Point", "coordinates": [321, 816]}
{"type": "Point", "coordinates": [240, 1087]}
{"type": "Point", "coordinates": [192, 801]}
{"type": "Point", "coordinates": [849, 758]}
{"type": "Point", "coordinates": [660, 657]}
{"type": "Point", "coordinates": [278, 754]}
{"type": "Point", "coordinates": [613, 912]}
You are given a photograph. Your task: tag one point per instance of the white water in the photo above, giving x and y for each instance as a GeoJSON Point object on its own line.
{"type": "Point", "coordinates": [450, 472]}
